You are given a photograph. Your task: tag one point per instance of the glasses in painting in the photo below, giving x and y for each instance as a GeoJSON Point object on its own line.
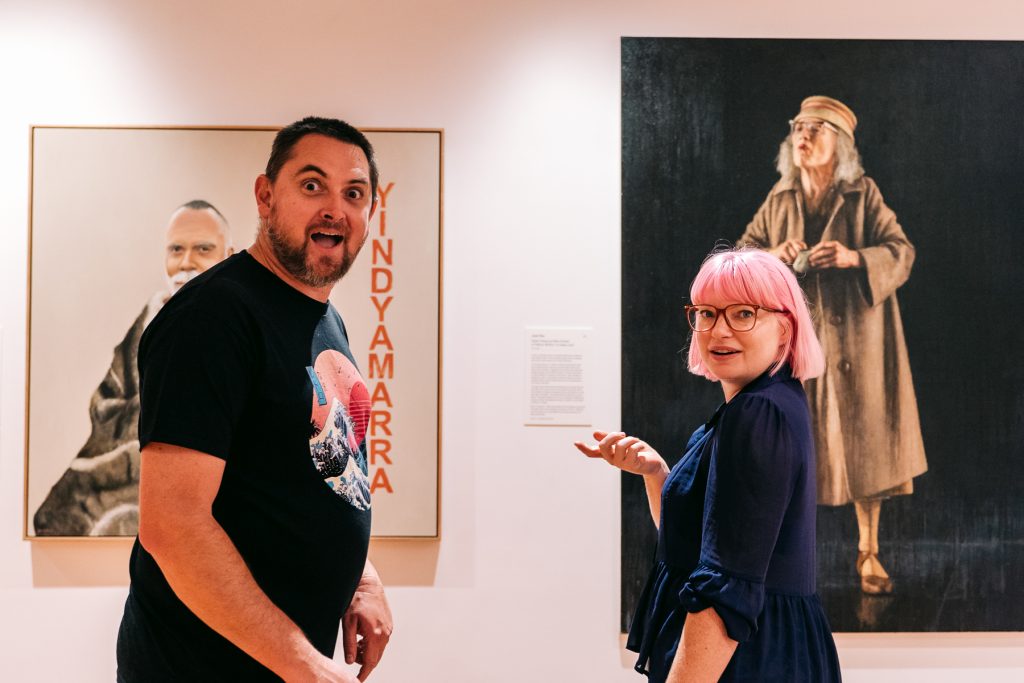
{"type": "Point", "coordinates": [812, 128]}
{"type": "Point", "coordinates": [739, 317]}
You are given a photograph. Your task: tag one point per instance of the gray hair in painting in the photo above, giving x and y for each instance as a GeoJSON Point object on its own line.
{"type": "Point", "coordinates": [848, 163]}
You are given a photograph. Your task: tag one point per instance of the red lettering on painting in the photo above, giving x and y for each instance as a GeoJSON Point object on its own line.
{"type": "Point", "coordinates": [380, 481]}
{"type": "Point", "coordinates": [385, 256]}
{"type": "Point", "coordinates": [379, 448]}
{"type": "Point", "coordinates": [382, 192]}
{"type": "Point", "coordinates": [382, 365]}
{"type": "Point", "coordinates": [381, 307]}
{"type": "Point", "coordinates": [376, 276]}
{"type": "Point", "coordinates": [381, 338]}
{"type": "Point", "coordinates": [381, 395]}
{"type": "Point", "coordinates": [381, 419]}
{"type": "Point", "coordinates": [382, 368]}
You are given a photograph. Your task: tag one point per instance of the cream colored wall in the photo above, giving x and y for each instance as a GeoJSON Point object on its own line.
{"type": "Point", "coordinates": [524, 584]}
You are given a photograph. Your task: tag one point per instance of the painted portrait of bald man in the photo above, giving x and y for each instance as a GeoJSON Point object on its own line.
{"type": "Point", "coordinates": [98, 494]}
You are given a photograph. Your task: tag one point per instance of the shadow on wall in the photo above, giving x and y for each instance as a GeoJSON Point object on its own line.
{"type": "Point", "coordinates": [104, 562]}
{"type": "Point", "coordinates": [80, 563]}
{"type": "Point", "coordinates": [406, 562]}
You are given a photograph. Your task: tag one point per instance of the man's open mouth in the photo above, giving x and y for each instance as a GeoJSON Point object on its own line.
{"type": "Point", "coordinates": [325, 240]}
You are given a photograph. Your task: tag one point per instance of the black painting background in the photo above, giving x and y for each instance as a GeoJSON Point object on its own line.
{"type": "Point", "coordinates": [941, 130]}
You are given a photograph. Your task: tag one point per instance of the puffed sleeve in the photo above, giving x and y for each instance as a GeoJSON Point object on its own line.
{"type": "Point", "coordinates": [195, 361]}
{"type": "Point", "coordinates": [750, 482]}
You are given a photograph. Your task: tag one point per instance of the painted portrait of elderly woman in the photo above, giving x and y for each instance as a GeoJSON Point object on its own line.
{"type": "Point", "coordinates": [828, 220]}
{"type": "Point", "coordinates": [895, 198]}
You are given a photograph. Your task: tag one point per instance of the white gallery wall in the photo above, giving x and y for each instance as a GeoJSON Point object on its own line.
{"type": "Point", "coordinates": [523, 585]}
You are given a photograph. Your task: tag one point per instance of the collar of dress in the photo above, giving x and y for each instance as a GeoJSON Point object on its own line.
{"type": "Point", "coordinates": [766, 379]}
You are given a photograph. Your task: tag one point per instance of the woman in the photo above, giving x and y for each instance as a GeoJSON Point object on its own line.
{"type": "Point", "coordinates": [829, 220]}
{"type": "Point", "coordinates": [736, 515]}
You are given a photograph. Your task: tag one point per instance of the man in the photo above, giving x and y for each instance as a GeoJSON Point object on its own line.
{"type": "Point", "coordinates": [254, 507]}
{"type": "Point", "coordinates": [98, 495]}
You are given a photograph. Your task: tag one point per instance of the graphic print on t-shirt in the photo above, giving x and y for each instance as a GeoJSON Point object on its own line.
{"type": "Point", "coordinates": [341, 411]}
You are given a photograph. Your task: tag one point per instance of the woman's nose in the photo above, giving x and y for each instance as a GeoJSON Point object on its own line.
{"type": "Point", "coordinates": [721, 327]}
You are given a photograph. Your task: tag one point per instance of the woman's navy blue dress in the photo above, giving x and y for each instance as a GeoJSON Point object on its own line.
{"type": "Point", "coordinates": [737, 535]}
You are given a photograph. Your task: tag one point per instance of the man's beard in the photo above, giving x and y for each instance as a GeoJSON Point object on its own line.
{"type": "Point", "coordinates": [177, 281]}
{"type": "Point", "coordinates": [295, 259]}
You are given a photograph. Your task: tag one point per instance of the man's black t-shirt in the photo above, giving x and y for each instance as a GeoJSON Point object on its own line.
{"type": "Point", "coordinates": [243, 367]}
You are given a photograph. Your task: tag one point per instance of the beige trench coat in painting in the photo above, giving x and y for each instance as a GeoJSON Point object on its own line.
{"type": "Point", "coordinates": [867, 431]}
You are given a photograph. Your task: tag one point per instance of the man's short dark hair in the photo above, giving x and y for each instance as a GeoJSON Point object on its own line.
{"type": "Point", "coordinates": [200, 205]}
{"type": "Point", "coordinates": [289, 136]}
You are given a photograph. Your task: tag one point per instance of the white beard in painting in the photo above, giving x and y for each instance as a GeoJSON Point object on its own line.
{"type": "Point", "coordinates": [179, 280]}
{"type": "Point", "coordinates": [338, 460]}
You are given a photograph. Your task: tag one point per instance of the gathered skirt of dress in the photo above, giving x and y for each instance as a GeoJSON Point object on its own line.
{"type": "Point", "coordinates": [791, 640]}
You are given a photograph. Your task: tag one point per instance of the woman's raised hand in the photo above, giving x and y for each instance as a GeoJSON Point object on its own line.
{"type": "Point", "coordinates": [628, 453]}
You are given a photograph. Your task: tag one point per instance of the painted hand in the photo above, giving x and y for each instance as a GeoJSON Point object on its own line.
{"type": "Point", "coordinates": [788, 250]}
{"type": "Point", "coordinates": [833, 254]}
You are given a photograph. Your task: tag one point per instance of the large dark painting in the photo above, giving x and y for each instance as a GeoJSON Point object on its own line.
{"type": "Point", "coordinates": [938, 128]}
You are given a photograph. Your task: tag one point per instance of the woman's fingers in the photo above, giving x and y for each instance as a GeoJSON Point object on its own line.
{"type": "Point", "coordinates": [589, 451]}
{"type": "Point", "coordinates": [607, 444]}
{"type": "Point", "coordinates": [628, 453]}
{"type": "Point", "coordinates": [622, 446]}
{"type": "Point", "coordinates": [602, 449]}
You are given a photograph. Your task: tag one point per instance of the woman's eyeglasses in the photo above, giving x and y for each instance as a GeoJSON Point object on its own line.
{"type": "Point", "coordinates": [812, 128]}
{"type": "Point", "coordinates": [739, 317]}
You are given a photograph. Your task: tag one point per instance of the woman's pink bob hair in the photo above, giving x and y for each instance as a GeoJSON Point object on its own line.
{"type": "Point", "coordinates": [752, 276]}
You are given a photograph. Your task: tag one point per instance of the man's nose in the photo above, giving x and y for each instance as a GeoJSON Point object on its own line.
{"type": "Point", "coordinates": [331, 209]}
{"type": "Point", "coordinates": [187, 262]}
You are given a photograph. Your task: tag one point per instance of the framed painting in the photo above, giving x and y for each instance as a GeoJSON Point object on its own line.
{"type": "Point", "coordinates": [705, 124]}
{"type": "Point", "coordinates": [103, 257]}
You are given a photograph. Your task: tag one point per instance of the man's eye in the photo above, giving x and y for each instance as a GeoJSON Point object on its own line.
{"type": "Point", "coordinates": [311, 186]}
{"type": "Point", "coordinates": [174, 250]}
{"type": "Point", "coordinates": [204, 249]}
{"type": "Point", "coordinates": [354, 193]}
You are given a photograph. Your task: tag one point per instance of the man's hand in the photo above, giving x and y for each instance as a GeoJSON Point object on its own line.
{"type": "Point", "coordinates": [628, 453]}
{"type": "Point", "coordinates": [833, 254]}
{"type": "Point", "coordinates": [369, 617]}
{"type": "Point", "coordinates": [788, 250]}
{"type": "Point", "coordinates": [328, 671]}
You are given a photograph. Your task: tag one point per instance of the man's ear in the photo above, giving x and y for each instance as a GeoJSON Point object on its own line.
{"type": "Point", "coordinates": [264, 195]}
{"type": "Point", "coordinates": [373, 207]}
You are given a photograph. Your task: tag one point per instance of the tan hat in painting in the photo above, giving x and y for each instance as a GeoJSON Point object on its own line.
{"type": "Point", "coordinates": [828, 109]}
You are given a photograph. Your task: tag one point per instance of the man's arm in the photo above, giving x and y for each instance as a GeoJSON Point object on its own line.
{"type": "Point", "coordinates": [203, 567]}
{"type": "Point", "coordinates": [370, 617]}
